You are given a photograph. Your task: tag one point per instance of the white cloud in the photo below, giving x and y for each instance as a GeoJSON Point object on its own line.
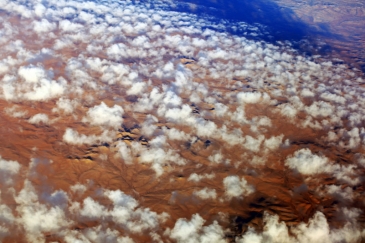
{"type": "Point", "coordinates": [316, 230]}
{"type": "Point", "coordinates": [198, 177]}
{"type": "Point", "coordinates": [274, 142]}
{"type": "Point", "coordinates": [65, 105]}
{"type": "Point", "coordinates": [253, 144]}
{"type": "Point", "coordinates": [216, 158]}
{"type": "Point", "coordinates": [73, 137]}
{"type": "Point", "coordinates": [15, 111]}
{"type": "Point", "coordinates": [206, 193]}
{"type": "Point", "coordinates": [39, 119]}
{"type": "Point", "coordinates": [78, 188]}
{"type": "Point", "coordinates": [92, 209]}
{"type": "Point", "coordinates": [44, 26]}
{"type": "Point", "coordinates": [125, 152]}
{"type": "Point", "coordinates": [175, 134]}
{"type": "Point", "coordinates": [37, 218]}
{"type": "Point", "coordinates": [249, 97]}
{"type": "Point", "coordinates": [68, 26]}
{"type": "Point", "coordinates": [307, 163]}
{"type": "Point", "coordinates": [193, 231]}
{"type": "Point", "coordinates": [103, 115]}
{"type": "Point", "coordinates": [234, 187]}
{"type": "Point", "coordinates": [8, 169]}
{"type": "Point", "coordinates": [137, 88]}
{"type": "Point", "coordinates": [32, 74]}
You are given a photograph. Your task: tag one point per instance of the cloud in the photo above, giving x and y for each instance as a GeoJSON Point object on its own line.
{"type": "Point", "coordinates": [206, 193]}
{"type": "Point", "coordinates": [197, 178]}
{"type": "Point", "coordinates": [39, 119]}
{"type": "Point", "coordinates": [274, 142]}
{"type": "Point", "coordinates": [78, 188]}
{"type": "Point", "coordinates": [137, 88]}
{"type": "Point", "coordinates": [65, 105]}
{"type": "Point", "coordinates": [234, 187]}
{"type": "Point", "coordinates": [175, 134]}
{"type": "Point", "coordinates": [68, 26]}
{"type": "Point", "coordinates": [73, 137]}
{"type": "Point", "coordinates": [8, 169]}
{"type": "Point", "coordinates": [249, 97]}
{"type": "Point", "coordinates": [37, 218]}
{"type": "Point", "coordinates": [253, 144]}
{"type": "Point", "coordinates": [103, 115]}
{"type": "Point", "coordinates": [35, 84]}
{"type": "Point", "coordinates": [90, 209]}
{"type": "Point", "coordinates": [307, 163]}
{"type": "Point", "coordinates": [32, 74]}
{"type": "Point", "coordinates": [15, 111]}
{"type": "Point", "coordinates": [56, 212]}
{"type": "Point", "coordinates": [157, 157]}
{"type": "Point", "coordinates": [316, 230]}
{"type": "Point", "coordinates": [125, 152]}
{"type": "Point", "coordinates": [194, 231]}
{"type": "Point", "coordinates": [44, 26]}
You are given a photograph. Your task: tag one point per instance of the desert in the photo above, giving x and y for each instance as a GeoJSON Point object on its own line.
{"type": "Point", "coordinates": [133, 121]}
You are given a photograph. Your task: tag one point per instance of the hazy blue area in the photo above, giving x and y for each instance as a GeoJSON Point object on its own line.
{"type": "Point", "coordinates": [281, 23]}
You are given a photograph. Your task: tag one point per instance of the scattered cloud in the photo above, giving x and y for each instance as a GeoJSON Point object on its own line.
{"type": "Point", "coordinates": [83, 59]}
{"type": "Point", "coordinates": [234, 187]}
{"type": "Point", "coordinates": [103, 115]}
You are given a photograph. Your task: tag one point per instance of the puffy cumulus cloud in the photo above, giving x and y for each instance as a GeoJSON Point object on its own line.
{"type": "Point", "coordinates": [274, 142]}
{"type": "Point", "coordinates": [32, 74]}
{"type": "Point", "coordinates": [16, 112]}
{"type": "Point", "coordinates": [40, 212]}
{"type": "Point", "coordinates": [158, 157]}
{"type": "Point", "coordinates": [73, 137]}
{"type": "Point", "coordinates": [234, 187]}
{"type": "Point", "coordinates": [341, 194]}
{"type": "Point", "coordinates": [34, 83]}
{"type": "Point", "coordinates": [149, 125]}
{"type": "Point", "coordinates": [90, 209]}
{"type": "Point", "coordinates": [125, 152]}
{"type": "Point", "coordinates": [103, 115]}
{"type": "Point", "coordinates": [46, 89]}
{"type": "Point", "coordinates": [206, 193]}
{"type": "Point", "coordinates": [137, 88]}
{"type": "Point", "coordinates": [175, 134]}
{"type": "Point", "coordinates": [251, 97]}
{"type": "Point", "coordinates": [78, 188]}
{"type": "Point", "coordinates": [217, 158]}
{"type": "Point", "coordinates": [137, 220]}
{"type": "Point", "coordinates": [316, 230]}
{"type": "Point", "coordinates": [288, 110]}
{"type": "Point", "coordinates": [8, 169]}
{"type": "Point", "coordinates": [44, 26]}
{"type": "Point", "coordinates": [37, 218]}
{"type": "Point", "coordinates": [124, 212]}
{"type": "Point", "coordinates": [37, 86]}
{"type": "Point", "coordinates": [39, 119]}
{"type": "Point", "coordinates": [186, 231]}
{"type": "Point", "coordinates": [307, 163]}
{"type": "Point", "coordinates": [97, 234]}
{"type": "Point", "coordinates": [253, 144]}
{"type": "Point", "coordinates": [196, 177]}
{"type": "Point", "coordinates": [68, 26]}
{"type": "Point", "coordinates": [65, 105]}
